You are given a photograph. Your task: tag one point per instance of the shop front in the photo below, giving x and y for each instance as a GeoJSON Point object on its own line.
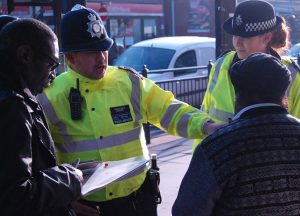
{"type": "Point", "coordinates": [127, 23]}
{"type": "Point", "coordinates": [130, 23]}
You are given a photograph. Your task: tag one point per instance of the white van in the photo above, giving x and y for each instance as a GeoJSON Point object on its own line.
{"type": "Point", "coordinates": [169, 52]}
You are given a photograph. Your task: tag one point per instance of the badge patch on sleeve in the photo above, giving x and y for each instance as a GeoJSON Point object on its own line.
{"type": "Point", "coordinates": [121, 114]}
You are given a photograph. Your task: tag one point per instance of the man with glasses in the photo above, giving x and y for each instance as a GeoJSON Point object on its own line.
{"type": "Point", "coordinates": [53, 63]}
{"type": "Point", "coordinates": [31, 183]}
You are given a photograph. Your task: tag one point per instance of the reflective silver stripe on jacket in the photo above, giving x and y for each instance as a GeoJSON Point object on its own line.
{"type": "Point", "coordinates": [51, 115]}
{"type": "Point", "coordinates": [183, 123]}
{"type": "Point", "coordinates": [98, 144]}
{"type": "Point", "coordinates": [136, 97]}
{"type": "Point", "coordinates": [216, 73]}
{"type": "Point", "coordinates": [219, 114]}
{"type": "Point", "coordinates": [173, 107]}
{"type": "Point", "coordinates": [114, 140]}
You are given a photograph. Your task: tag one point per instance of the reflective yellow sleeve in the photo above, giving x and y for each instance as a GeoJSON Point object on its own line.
{"type": "Point", "coordinates": [206, 103]}
{"type": "Point", "coordinates": [176, 117]}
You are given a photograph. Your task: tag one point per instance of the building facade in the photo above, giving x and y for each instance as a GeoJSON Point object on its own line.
{"type": "Point", "coordinates": [130, 21]}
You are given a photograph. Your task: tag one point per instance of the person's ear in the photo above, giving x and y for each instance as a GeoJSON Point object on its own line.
{"type": "Point", "coordinates": [268, 37]}
{"type": "Point", "coordinates": [24, 54]}
{"type": "Point", "coordinates": [285, 102]}
{"type": "Point", "coordinates": [237, 103]}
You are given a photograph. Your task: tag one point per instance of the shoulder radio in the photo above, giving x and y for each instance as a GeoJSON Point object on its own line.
{"type": "Point", "coordinates": [75, 101]}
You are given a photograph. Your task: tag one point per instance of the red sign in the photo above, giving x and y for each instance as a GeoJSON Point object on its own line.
{"type": "Point", "coordinates": [127, 9]}
{"type": "Point", "coordinates": [103, 13]}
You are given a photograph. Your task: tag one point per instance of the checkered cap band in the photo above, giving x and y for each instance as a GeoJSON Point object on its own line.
{"type": "Point", "coordinates": [260, 26]}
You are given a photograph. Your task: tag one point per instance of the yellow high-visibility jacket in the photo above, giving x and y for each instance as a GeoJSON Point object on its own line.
{"type": "Point", "coordinates": [293, 91]}
{"type": "Point", "coordinates": [219, 97]}
{"type": "Point", "coordinates": [113, 111]}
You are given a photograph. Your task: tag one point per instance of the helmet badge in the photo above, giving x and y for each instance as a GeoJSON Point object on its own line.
{"type": "Point", "coordinates": [238, 20]}
{"type": "Point", "coordinates": [95, 27]}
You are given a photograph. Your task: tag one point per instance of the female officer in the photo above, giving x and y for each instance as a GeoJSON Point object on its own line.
{"type": "Point", "coordinates": [255, 28]}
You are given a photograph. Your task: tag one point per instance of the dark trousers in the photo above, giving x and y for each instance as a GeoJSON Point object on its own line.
{"type": "Point", "coordinates": [139, 203]}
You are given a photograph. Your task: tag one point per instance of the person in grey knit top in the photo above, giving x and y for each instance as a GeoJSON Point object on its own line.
{"type": "Point", "coordinates": [251, 166]}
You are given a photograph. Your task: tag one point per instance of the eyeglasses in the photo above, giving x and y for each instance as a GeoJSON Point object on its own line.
{"type": "Point", "coordinates": [53, 64]}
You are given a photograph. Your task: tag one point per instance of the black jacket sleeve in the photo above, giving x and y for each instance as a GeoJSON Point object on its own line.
{"type": "Point", "coordinates": [25, 191]}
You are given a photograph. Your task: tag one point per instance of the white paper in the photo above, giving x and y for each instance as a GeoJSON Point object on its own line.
{"type": "Point", "coordinates": [111, 171]}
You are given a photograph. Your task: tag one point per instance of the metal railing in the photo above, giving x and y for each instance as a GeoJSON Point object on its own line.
{"type": "Point", "coordinates": [190, 90]}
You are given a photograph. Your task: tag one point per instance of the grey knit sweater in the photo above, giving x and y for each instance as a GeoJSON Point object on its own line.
{"type": "Point", "coordinates": [250, 167]}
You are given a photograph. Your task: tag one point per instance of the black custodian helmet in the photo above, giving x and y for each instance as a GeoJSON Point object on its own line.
{"type": "Point", "coordinates": [83, 30]}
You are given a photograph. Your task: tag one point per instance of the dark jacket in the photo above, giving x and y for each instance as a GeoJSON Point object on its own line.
{"type": "Point", "coordinates": [250, 167]}
{"type": "Point", "coordinates": [30, 181]}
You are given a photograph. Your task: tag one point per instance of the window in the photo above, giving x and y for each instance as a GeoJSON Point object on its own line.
{"type": "Point", "coordinates": [137, 35]}
{"type": "Point", "coordinates": [149, 28]}
{"type": "Point", "coordinates": [187, 59]}
{"type": "Point", "coordinates": [122, 30]}
{"type": "Point", "coordinates": [153, 58]}
{"type": "Point", "coordinates": [205, 54]}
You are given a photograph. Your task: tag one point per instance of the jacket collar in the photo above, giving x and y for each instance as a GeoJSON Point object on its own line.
{"type": "Point", "coordinates": [24, 93]}
{"type": "Point", "coordinates": [30, 98]}
{"type": "Point", "coordinates": [74, 75]}
{"type": "Point", "coordinates": [259, 109]}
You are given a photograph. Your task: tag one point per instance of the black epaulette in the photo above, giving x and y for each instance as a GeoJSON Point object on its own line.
{"type": "Point", "coordinates": [131, 70]}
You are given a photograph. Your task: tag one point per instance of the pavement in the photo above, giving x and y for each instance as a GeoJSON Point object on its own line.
{"type": "Point", "coordinates": [173, 155]}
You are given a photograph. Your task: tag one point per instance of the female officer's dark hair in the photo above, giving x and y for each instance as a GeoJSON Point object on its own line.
{"type": "Point", "coordinates": [281, 38]}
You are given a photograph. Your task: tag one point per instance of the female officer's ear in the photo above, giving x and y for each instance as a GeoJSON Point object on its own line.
{"type": "Point", "coordinates": [267, 38]}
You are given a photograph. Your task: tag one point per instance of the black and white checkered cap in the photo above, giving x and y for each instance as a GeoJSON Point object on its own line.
{"type": "Point", "coordinates": [260, 26]}
{"type": "Point", "coordinates": [252, 18]}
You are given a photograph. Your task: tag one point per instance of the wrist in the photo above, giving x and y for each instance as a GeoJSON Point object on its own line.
{"type": "Point", "coordinates": [206, 128]}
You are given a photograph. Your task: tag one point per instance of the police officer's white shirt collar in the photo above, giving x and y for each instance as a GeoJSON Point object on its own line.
{"type": "Point", "coordinates": [238, 115]}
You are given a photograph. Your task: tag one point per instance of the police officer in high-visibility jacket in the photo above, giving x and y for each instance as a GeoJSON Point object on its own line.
{"type": "Point", "coordinates": [96, 112]}
{"type": "Point", "coordinates": [255, 28]}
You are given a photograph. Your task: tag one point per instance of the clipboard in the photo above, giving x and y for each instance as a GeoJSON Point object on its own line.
{"type": "Point", "coordinates": [98, 175]}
